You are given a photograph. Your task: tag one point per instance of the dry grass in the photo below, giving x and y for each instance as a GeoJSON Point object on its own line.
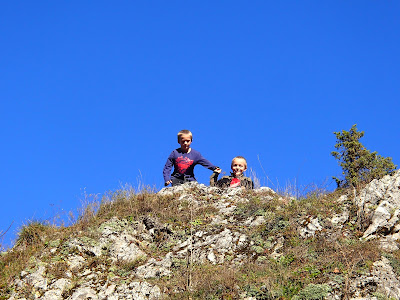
{"type": "Point", "coordinates": [207, 281]}
{"type": "Point", "coordinates": [31, 240]}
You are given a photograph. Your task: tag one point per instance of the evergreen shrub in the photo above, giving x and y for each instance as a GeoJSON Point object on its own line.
{"type": "Point", "coordinates": [359, 165]}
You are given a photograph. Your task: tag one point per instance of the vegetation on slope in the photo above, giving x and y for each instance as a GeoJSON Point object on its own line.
{"type": "Point", "coordinates": [304, 268]}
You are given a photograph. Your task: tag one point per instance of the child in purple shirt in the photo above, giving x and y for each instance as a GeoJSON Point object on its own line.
{"type": "Point", "coordinates": [183, 160]}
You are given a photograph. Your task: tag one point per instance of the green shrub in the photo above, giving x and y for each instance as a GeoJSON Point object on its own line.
{"type": "Point", "coordinates": [359, 164]}
{"type": "Point", "coordinates": [313, 292]}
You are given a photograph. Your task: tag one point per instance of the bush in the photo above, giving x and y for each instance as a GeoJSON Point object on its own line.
{"type": "Point", "coordinates": [313, 292]}
{"type": "Point", "coordinates": [359, 164]}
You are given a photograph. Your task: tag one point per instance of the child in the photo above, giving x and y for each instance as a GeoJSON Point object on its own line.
{"type": "Point", "coordinates": [237, 179]}
{"type": "Point", "coordinates": [184, 159]}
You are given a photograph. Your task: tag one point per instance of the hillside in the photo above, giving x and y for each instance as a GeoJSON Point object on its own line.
{"type": "Point", "coordinates": [198, 242]}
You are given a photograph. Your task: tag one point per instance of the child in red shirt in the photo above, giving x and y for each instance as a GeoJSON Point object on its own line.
{"type": "Point", "coordinates": [237, 179]}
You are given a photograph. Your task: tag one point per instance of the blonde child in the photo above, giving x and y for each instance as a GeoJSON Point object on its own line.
{"type": "Point", "coordinates": [184, 160]}
{"type": "Point", "coordinates": [237, 178]}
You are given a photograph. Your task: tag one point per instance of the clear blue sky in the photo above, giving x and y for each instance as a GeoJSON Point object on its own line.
{"type": "Point", "coordinates": [93, 93]}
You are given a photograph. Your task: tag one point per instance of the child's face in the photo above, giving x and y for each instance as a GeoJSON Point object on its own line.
{"type": "Point", "coordinates": [185, 142]}
{"type": "Point", "coordinates": [238, 166]}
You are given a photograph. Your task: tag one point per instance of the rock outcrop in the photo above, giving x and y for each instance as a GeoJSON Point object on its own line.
{"type": "Point", "coordinates": [379, 204]}
{"type": "Point", "coordinates": [133, 257]}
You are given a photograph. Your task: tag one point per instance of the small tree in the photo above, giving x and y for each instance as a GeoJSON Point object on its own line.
{"type": "Point", "coordinates": [359, 164]}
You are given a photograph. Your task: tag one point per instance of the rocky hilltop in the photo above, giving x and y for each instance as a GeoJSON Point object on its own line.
{"type": "Point", "coordinates": [198, 242]}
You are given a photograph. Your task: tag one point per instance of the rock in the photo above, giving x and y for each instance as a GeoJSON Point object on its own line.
{"type": "Point", "coordinates": [75, 262]}
{"type": "Point", "coordinates": [390, 243]}
{"type": "Point", "coordinates": [124, 248]}
{"type": "Point", "coordinates": [264, 189]}
{"type": "Point", "coordinates": [379, 201]}
{"type": "Point", "coordinates": [52, 295]}
{"type": "Point", "coordinates": [225, 207]}
{"type": "Point", "coordinates": [310, 226]}
{"type": "Point", "coordinates": [339, 219]}
{"type": "Point", "coordinates": [211, 257]}
{"type": "Point", "coordinates": [169, 191]}
{"type": "Point", "coordinates": [154, 268]}
{"type": "Point", "coordinates": [37, 279]}
{"type": "Point", "coordinates": [61, 284]}
{"type": "Point", "coordinates": [278, 246]}
{"type": "Point", "coordinates": [86, 245]}
{"type": "Point", "coordinates": [148, 290]}
{"type": "Point", "coordinates": [380, 218]}
{"type": "Point", "coordinates": [255, 221]}
{"type": "Point", "coordinates": [107, 291]}
{"type": "Point", "coordinates": [388, 282]}
{"type": "Point", "coordinates": [220, 244]}
{"type": "Point", "coordinates": [219, 220]}
{"type": "Point", "coordinates": [84, 293]}
{"type": "Point", "coordinates": [121, 261]}
{"type": "Point", "coordinates": [362, 285]}
{"type": "Point", "coordinates": [224, 240]}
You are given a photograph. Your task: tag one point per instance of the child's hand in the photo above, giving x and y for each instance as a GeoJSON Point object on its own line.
{"type": "Point", "coordinates": [217, 170]}
{"type": "Point", "coordinates": [168, 182]}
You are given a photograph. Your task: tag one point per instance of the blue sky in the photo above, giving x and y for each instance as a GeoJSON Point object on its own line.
{"type": "Point", "coordinates": [93, 93]}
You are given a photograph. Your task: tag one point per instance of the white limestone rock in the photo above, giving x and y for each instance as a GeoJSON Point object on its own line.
{"type": "Point", "coordinates": [75, 262]}
{"type": "Point", "coordinates": [310, 227]}
{"type": "Point", "coordinates": [387, 280]}
{"type": "Point", "coordinates": [84, 293]}
{"type": "Point", "coordinates": [339, 219]}
{"type": "Point", "coordinates": [37, 279]}
{"type": "Point", "coordinates": [86, 245]}
{"type": "Point", "coordinates": [52, 295]}
{"type": "Point", "coordinates": [254, 221]}
{"type": "Point", "coordinates": [124, 248]}
{"type": "Point", "coordinates": [154, 268]}
{"type": "Point", "coordinates": [380, 202]}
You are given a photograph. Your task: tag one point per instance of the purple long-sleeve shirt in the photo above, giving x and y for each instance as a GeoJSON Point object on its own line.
{"type": "Point", "coordinates": [183, 164]}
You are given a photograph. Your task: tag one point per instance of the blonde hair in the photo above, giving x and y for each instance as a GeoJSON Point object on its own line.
{"type": "Point", "coordinates": [184, 131]}
{"type": "Point", "coordinates": [240, 157]}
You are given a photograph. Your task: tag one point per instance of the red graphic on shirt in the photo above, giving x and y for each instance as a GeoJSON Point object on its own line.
{"type": "Point", "coordinates": [183, 163]}
{"type": "Point", "coordinates": [235, 182]}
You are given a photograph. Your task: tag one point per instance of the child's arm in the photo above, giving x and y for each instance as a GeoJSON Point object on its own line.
{"type": "Point", "coordinates": [167, 169]}
{"type": "Point", "coordinates": [214, 177]}
{"type": "Point", "coordinates": [206, 163]}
